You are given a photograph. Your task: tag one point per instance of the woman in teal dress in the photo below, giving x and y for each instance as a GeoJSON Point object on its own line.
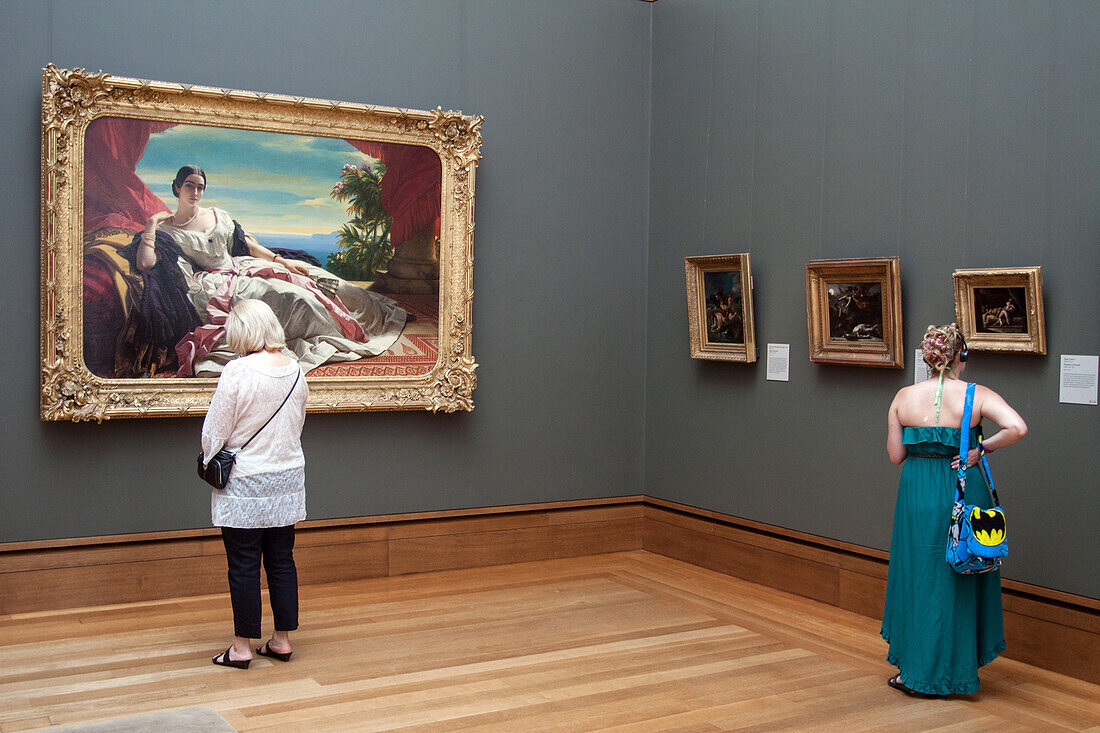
{"type": "Point", "coordinates": [941, 625]}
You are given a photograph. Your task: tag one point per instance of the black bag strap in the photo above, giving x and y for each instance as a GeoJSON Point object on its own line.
{"type": "Point", "coordinates": [288, 394]}
{"type": "Point", "coordinates": [985, 467]}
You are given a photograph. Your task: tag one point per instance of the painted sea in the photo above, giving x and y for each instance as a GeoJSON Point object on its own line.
{"type": "Point", "coordinates": [318, 245]}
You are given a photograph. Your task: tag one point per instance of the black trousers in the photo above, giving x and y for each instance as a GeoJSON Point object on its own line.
{"type": "Point", "coordinates": [244, 549]}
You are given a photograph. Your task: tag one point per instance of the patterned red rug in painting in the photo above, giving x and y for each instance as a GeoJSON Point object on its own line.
{"type": "Point", "coordinates": [413, 354]}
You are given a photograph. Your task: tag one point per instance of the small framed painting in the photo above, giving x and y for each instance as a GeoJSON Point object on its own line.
{"type": "Point", "coordinates": [719, 299]}
{"type": "Point", "coordinates": [1001, 309]}
{"type": "Point", "coordinates": [853, 312]}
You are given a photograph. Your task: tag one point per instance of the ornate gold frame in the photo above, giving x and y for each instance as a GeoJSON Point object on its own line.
{"type": "Point", "coordinates": [702, 348]}
{"type": "Point", "coordinates": [71, 99]}
{"type": "Point", "coordinates": [886, 271]}
{"type": "Point", "coordinates": [1028, 278]}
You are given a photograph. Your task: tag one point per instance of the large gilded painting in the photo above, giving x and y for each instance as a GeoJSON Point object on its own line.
{"type": "Point", "coordinates": [163, 204]}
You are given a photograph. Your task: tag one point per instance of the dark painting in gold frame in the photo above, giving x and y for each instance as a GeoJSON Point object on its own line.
{"type": "Point", "coordinates": [1001, 309]}
{"type": "Point", "coordinates": [853, 312]}
{"type": "Point", "coordinates": [720, 312]}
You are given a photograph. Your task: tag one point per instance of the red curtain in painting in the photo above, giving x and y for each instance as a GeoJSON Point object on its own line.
{"type": "Point", "coordinates": [411, 188]}
{"type": "Point", "coordinates": [114, 196]}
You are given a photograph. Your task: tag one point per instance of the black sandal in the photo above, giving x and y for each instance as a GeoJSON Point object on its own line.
{"type": "Point", "coordinates": [224, 660]}
{"type": "Point", "coordinates": [265, 650]}
{"type": "Point", "coordinates": [897, 684]}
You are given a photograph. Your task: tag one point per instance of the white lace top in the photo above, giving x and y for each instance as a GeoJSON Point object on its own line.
{"type": "Point", "coordinates": [267, 485]}
{"type": "Point", "coordinates": [248, 393]}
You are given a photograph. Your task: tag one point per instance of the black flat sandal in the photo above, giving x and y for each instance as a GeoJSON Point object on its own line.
{"type": "Point", "coordinates": [224, 660]}
{"type": "Point", "coordinates": [897, 684]}
{"type": "Point", "coordinates": [265, 650]}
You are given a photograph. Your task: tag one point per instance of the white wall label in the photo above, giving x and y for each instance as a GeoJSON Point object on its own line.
{"type": "Point", "coordinates": [779, 362]}
{"type": "Point", "coordinates": [920, 368]}
{"type": "Point", "coordinates": [1077, 379]}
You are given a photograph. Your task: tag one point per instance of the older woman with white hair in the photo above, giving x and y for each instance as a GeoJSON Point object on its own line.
{"type": "Point", "coordinates": [258, 410]}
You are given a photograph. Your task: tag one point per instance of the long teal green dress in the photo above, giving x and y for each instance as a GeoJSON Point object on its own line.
{"type": "Point", "coordinates": [941, 625]}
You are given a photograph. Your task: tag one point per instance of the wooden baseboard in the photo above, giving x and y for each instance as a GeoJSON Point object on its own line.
{"type": "Point", "coordinates": [92, 571]}
{"type": "Point", "coordinates": [1047, 628]}
{"type": "Point", "coordinates": [1050, 629]}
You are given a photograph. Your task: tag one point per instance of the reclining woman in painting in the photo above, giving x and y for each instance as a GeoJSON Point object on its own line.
{"type": "Point", "coordinates": [941, 625]}
{"type": "Point", "coordinates": [219, 265]}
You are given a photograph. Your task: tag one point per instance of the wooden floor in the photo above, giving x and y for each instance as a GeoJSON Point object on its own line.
{"type": "Point", "coordinates": [624, 642]}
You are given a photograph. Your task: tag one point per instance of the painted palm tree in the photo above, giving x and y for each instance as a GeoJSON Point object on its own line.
{"type": "Point", "coordinates": [365, 239]}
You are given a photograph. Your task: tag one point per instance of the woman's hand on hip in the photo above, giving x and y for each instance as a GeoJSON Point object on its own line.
{"type": "Point", "coordinates": [972, 457]}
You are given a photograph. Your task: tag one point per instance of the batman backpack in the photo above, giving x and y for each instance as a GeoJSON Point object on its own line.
{"type": "Point", "coordinates": [977, 538]}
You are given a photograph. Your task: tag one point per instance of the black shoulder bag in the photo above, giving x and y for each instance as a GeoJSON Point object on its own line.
{"type": "Point", "coordinates": [216, 472]}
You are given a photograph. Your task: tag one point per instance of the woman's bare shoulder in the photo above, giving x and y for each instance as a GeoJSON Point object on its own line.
{"type": "Point", "coordinates": [911, 392]}
{"type": "Point", "coordinates": [984, 395]}
{"type": "Point", "coordinates": [981, 389]}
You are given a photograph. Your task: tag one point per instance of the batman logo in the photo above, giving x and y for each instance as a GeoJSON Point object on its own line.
{"type": "Point", "coordinates": [988, 526]}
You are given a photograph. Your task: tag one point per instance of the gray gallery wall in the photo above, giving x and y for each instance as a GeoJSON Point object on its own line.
{"type": "Point", "coordinates": [559, 250]}
{"type": "Point", "coordinates": [620, 137]}
{"type": "Point", "coordinates": [951, 134]}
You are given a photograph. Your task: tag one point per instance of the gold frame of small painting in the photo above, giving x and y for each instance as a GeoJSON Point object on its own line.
{"type": "Point", "coordinates": [1001, 309]}
{"type": "Point", "coordinates": [719, 301]}
{"type": "Point", "coordinates": [853, 312]}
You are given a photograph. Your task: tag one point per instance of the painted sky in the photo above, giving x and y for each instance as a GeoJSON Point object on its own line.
{"type": "Point", "coordinates": [729, 281]}
{"type": "Point", "coordinates": [270, 182]}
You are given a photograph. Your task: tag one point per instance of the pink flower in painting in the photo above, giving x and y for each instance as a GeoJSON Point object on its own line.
{"type": "Point", "coordinates": [338, 187]}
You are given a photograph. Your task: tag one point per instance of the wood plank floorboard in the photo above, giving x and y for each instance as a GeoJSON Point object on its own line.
{"type": "Point", "coordinates": [629, 642]}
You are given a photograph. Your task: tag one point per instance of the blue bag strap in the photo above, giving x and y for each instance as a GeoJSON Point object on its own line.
{"type": "Point", "coordinates": [964, 441]}
{"type": "Point", "coordinates": [964, 448]}
{"type": "Point", "coordinates": [964, 430]}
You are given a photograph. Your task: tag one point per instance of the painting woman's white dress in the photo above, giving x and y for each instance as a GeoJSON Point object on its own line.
{"type": "Point", "coordinates": [319, 329]}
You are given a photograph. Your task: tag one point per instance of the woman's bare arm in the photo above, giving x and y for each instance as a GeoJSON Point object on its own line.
{"type": "Point", "coordinates": [1013, 427]}
{"type": "Point", "coordinates": [894, 447]}
{"type": "Point", "coordinates": [146, 252]}
{"type": "Point", "coordinates": [258, 250]}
